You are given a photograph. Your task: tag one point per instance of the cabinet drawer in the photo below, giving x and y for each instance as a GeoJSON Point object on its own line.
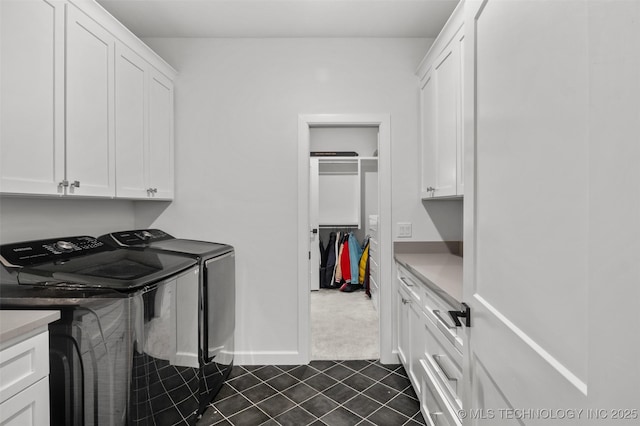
{"type": "Point", "coordinates": [435, 410]}
{"type": "Point", "coordinates": [373, 268]}
{"type": "Point", "coordinates": [23, 364]}
{"type": "Point", "coordinates": [28, 408]}
{"type": "Point", "coordinates": [445, 363]}
{"type": "Point", "coordinates": [437, 310]}
{"type": "Point", "coordinates": [410, 284]}
{"type": "Point", "coordinates": [373, 284]}
{"type": "Point", "coordinates": [373, 246]}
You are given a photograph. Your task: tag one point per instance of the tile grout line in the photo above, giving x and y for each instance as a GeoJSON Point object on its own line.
{"type": "Point", "coordinates": [317, 371]}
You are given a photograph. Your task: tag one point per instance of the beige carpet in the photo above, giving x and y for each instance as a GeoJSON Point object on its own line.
{"type": "Point", "coordinates": [344, 326]}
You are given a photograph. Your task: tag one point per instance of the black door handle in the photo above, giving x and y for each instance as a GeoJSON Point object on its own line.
{"type": "Point", "coordinates": [466, 313]}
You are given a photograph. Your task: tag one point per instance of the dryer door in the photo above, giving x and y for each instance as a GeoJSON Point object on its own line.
{"type": "Point", "coordinates": [220, 307]}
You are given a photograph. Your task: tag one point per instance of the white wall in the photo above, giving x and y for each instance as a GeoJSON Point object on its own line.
{"type": "Point", "coordinates": [237, 104]}
{"type": "Point", "coordinates": [23, 219]}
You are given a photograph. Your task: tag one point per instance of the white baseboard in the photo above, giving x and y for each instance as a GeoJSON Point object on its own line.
{"type": "Point", "coordinates": [269, 358]}
{"type": "Point", "coordinates": [290, 358]}
{"type": "Point", "coordinates": [391, 358]}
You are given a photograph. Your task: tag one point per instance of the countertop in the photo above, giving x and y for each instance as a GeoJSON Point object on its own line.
{"type": "Point", "coordinates": [440, 271]}
{"type": "Point", "coordinates": [14, 323]}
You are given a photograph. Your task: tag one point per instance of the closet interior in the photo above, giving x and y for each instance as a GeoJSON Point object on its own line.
{"type": "Point", "coordinates": [344, 208]}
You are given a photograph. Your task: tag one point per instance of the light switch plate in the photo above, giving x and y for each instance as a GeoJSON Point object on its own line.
{"type": "Point", "coordinates": [404, 229]}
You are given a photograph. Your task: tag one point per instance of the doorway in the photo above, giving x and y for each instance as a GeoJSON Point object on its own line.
{"type": "Point", "coordinates": [343, 192]}
{"type": "Point", "coordinates": [381, 123]}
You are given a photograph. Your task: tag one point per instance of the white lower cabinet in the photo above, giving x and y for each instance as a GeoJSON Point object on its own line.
{"type": "Point", "coordinates": [24, 382]}
{"type": "Point", "coordinates": [430, 349]}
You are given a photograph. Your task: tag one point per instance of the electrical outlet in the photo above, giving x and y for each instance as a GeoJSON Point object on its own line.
{"type": "Point", "coordinates": [404, 229]}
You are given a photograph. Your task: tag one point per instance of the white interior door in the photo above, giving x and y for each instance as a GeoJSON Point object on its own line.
{"type": "Point", "coordinates": [545, 283]}
{"type": "Point", "coordinates": [314, 237]}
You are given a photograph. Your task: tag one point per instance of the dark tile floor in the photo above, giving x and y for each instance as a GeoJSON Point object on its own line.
{"type": "Point", "coordinates": [333, 393]}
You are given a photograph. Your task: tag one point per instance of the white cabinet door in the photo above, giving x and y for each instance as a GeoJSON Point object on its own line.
{"type": "Point", "coordinates": [551, 271]}
{"type": "Point", "coordinates": [161, 155]}
{"type": "Point", "coordinates": [417, 345]}
{"type": "Point", "coordinates": [32, 100]}
{"type": "Point", "coordinates": [428, 142]}
{"type": "Point", "coordinates": [459, 42]}
{"type": "Point", "coordinates": [131, 123]}
{"type": "Point", "coordinates": [442, 119]}
{"type": "Point", "coordinates": [447, 75]}
{"type": "Point", "coordinates": [90, 107]}
{"type": "Point", "coordinates": [403, 333]}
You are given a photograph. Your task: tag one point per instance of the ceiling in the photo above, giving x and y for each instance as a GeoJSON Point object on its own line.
{"type": "Point", "coordinates": [282, 18]}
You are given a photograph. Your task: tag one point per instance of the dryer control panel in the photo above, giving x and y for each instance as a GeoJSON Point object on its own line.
{"type": "Point", "coordinates": [135, 238]}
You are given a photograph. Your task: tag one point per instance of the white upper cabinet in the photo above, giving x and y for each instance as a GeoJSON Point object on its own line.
{"type": "Point", "coordinates": [440, 72]}
{"type": "Point", "coordinates": [90, 126]}
{"type": "Point", "coordinates": [144, 128]}
{"type": "Point", "coordinates": [87, 108]}
{"type": "Point", "coordinates": [131, 118]}
{"type": "Point", "coordinates": [160, 136]}
{"type": "Point", "coordinates": [32, 100]}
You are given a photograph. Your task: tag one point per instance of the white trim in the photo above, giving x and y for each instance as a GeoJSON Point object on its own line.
{"type": "Point", "coordinates": [383, 122]}
{"type": "Point", "coordinates": [268, 358]}
{"type": "Point", "coordinates": [553, 362]}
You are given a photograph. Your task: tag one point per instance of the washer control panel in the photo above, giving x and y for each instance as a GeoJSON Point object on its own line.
{"type": "Point", "coordinates": [41, 251]}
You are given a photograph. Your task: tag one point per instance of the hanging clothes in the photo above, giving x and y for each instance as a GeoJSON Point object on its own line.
{"type": "Point", "coordinates": [354, 257]}
{"type": "Point", "coordinates": [338, 275]}
{"type": "Point", "coordinates": [323, 263]}
{"type": "Point", "coordinates": [363, 264]}
{"type": "Point", "coordinates": [355, 252]}
{"type": "Point", "coordinates": [367, 282]}
{"type": "Point", "coordinates": [328, 262]}
{"type": "Point", "coordinates": [345, 260]}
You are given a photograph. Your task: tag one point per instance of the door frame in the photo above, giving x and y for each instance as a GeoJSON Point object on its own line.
{"type": "Point", "coordinates": [385, 313]}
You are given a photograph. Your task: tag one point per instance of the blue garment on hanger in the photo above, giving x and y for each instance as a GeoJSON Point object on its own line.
{"type": "Point", "coordinates": [355, 252]}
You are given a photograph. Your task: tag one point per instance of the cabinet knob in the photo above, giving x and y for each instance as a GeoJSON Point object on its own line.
{"type": "Point", "coordinates": [63, 184]}
{"type": "Point", "coordinates": [431, 189]}
{"type": "Point", "coordinates": [76, 183]}
{"type": "Point", "coordinates": [405, 301]}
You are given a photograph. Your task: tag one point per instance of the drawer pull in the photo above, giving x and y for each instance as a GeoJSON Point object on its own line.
{"type": "Point", "coordinates": [441, 360]}
{"type": "Point", "coordinates": [439, 316]}
{"type": "Point", "coordinates": [434, 417]}
{"type": "Point", "coordinates": [407, 283]}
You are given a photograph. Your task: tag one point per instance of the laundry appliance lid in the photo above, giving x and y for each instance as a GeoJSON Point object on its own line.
{"type": "Point", "coordinates": [85, 262]}
{"type": "Point", "coordinates": [160, 240]}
